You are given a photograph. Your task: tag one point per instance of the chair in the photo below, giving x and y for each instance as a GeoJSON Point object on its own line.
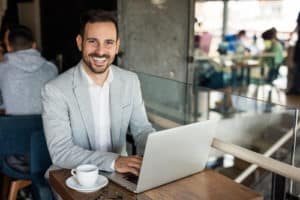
{"type": "Point", "coordinates": [24, 135]}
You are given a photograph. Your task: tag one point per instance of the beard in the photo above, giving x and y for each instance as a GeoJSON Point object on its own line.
{"type": "Point", "coordinates": [87, 61]}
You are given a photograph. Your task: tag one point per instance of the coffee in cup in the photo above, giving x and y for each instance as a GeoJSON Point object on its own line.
{"type": "Point", "coordinates": [86, 174]}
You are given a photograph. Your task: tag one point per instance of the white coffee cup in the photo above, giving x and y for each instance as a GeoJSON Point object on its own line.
{"type": "Point", "coordinates": [86, 175]}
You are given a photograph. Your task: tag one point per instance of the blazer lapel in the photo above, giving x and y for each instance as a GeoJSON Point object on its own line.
{"type": "Point", "coordinates": [115, 108]}
{"type": "Point", "coordinates": [84, 103]}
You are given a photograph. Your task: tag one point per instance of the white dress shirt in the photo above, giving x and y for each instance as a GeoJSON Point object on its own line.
{"type": "Point", "coordinates": [99, 97]}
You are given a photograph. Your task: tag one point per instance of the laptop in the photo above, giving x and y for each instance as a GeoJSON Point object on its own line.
{"type": "Point", "coordinates": [170, 155]}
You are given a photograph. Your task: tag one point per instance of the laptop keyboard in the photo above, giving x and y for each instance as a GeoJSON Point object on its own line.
{"type": "Point", "coordinates": [131, 178]}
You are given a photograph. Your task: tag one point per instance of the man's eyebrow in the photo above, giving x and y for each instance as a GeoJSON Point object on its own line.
{"type": "Point", "coordinates": [110, 40]}
{"type": "Point", "coordinates": [91, 38]}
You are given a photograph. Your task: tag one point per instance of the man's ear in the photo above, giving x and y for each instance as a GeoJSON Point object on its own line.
{"type": "Point", "coordinates": [118, 46]}
{"type": "Point", "coordinates": [79, 42]}
{"type": "Point", "coordinates": [34, 45]}
{"type": "Point", "coordinates": [9, 48]}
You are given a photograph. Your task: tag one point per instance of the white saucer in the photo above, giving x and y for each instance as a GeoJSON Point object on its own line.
{"type": "Point", "coordinates": [72, 183]}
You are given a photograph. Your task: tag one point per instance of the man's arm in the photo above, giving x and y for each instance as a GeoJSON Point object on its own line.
{"type": "Point", "coordinates": [64, 153]}
{"type": "Point", "coordinates": [140, 127]}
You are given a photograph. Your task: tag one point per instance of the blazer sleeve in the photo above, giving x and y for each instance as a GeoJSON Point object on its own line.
{"type": "Point", "coordinates": [58, 132]}
{"type": "Point", "coordinates": [140, 127]}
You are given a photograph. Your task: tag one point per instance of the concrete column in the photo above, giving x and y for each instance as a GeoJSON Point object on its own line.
{"type": "Point", "coordinates": [155, 36]}
{"type": "Point", "coordinates": [225, 18]}
{"type": "Point", "coordinates": [156, 39]}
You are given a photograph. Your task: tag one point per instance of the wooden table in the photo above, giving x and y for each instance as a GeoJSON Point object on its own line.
{"type": "Point", "coordinates": [208, 185]}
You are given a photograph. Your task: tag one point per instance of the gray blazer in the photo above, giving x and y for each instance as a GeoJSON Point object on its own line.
{"type": "Point", "coordinates": [68, 120]}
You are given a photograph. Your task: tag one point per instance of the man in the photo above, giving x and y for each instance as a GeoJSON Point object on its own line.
{"type": "Point", "coordinates": [23, 73]}
{"type": "Point", "coordinates": [89, 109]}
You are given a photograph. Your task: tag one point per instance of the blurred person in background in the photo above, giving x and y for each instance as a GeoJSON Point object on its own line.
{"type": "Point", "coordinates": [202, 39]}
{"type": "Point", "coordinates": [23, 73]}
{"type": "Point", "coordinates": [275, 48]}
{"type": "Point", "coordinates": [233, 43]}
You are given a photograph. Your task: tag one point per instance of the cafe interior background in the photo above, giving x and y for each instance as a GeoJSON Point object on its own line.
{"type": "Point", "coordinates": [186, 69]}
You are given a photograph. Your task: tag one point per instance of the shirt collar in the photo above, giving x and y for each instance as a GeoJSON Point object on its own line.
{"type": "Point", "coordinates": [92, 82]}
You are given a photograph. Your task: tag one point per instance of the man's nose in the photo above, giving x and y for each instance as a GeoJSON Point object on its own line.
{"type": "Point", "coordinates": [100, 49]}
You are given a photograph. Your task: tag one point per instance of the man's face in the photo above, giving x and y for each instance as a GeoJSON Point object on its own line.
{"type": "Point", "coordinates": [99, 46]}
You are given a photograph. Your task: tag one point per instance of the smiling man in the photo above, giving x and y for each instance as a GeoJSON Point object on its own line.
{"type": "Point", "coordinates": [88, 110]}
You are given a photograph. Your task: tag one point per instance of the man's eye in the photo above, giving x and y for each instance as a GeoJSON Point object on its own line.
{"type": "Point", "coordinates": [109, 42]}
{"type": "Point", "coordinates": [91, 41]}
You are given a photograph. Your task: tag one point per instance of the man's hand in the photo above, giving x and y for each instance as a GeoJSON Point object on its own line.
{"type": "Point", "coordinates": [130, 164]}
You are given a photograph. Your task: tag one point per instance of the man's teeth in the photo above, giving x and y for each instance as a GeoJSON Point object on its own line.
{"type": "Point", "coordinates": [100, 59]}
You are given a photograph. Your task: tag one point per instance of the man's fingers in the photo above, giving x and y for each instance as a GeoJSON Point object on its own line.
{"type": "Point", "coordinates": [129, 170]}
{"type": "Point", "coordinates": [135, 160]}
{"type": "Point", "coordinates": [133, 171]}
{"type": "Point", "coordinates": [138, 157]}
{"type": "Point", "coordinates": [134, 164]}
{"type": "Point", "coordinates": [130, 164]}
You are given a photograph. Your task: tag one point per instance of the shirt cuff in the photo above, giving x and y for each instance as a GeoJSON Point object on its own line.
{"type": "Point", "coordinates": [112, 165]}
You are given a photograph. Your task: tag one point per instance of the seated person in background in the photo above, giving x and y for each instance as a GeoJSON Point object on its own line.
{"type": "Point", "coordinates": [88, 110]}
{"type": "Point", "coordinates": [233, 43]}
{"type": "Point", "coordinates": [273, 46]}
{"type": "Point", "coordinates": [22, 75]}
{"type": "Point", "coordinates": [202, 39]}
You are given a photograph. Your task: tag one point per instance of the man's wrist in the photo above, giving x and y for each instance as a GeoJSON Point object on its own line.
{"type": "Point", "coordinates": [112, 165]}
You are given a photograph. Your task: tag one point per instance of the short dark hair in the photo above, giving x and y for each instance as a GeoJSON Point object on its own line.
{"type": "Point", "coordinates": [20, 37]}
{"type": "Point", "coordinates": [269, 34]}
{"type": "Point", "coordinates": [241, 33]}
{"type": "Point", "coordinates": [97, 15]}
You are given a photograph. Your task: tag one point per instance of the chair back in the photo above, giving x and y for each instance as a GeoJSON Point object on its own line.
{"type": "Point", "coordinates": [24, 134]}
{"type": "Point", "coordinates": [15, 133]}
{"type": "Point", "coordinates": [39, 155]}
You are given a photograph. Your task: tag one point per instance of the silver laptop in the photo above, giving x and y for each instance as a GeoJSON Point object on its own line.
{"type": "Point", "coordinates": [170, 155]}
